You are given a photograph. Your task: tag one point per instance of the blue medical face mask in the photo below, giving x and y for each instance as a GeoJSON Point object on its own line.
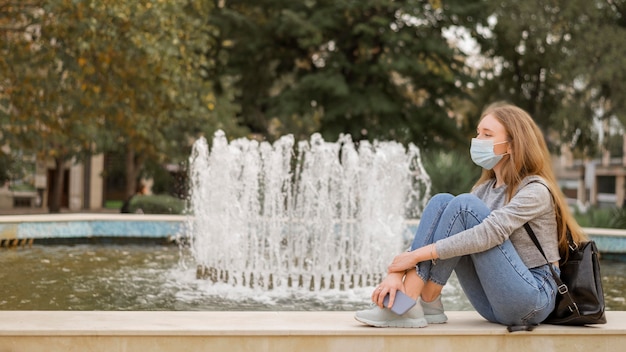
{"type": "Point", "coordinates": [482, 153]}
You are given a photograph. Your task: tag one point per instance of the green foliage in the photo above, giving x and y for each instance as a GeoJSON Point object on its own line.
{"type": "Point", "coordinates": [619, 218]}
{"type": "Point", "coordinates": [17, 168]}
{"type": "Point", "coordinates": [165, 181]}
{"type": "Point", "coordinates": [146, 78]}
{"type": "Point", "coordinates": [612, 217]}
{"type": "Point", "coordinates": [597, 62]}
{"type": "Point", "coordinates": [374, 69]}
{"type": "Point", "coordinates": [40, 86]}
{"type": "Point", "coordinates": [528, 38]}
{"type": "Point", "coordinates": [157, 204]}
{"type": "Point", "coordinates": [563, 61]}
{"type": "Point", "coordinates": [23, 187]}
{"type": "Point", "coordinates": [451, 171]}
{"type": "Point", "coordinates": [113, 204]}
{"type": "Point", "coordinates": [89, 76]}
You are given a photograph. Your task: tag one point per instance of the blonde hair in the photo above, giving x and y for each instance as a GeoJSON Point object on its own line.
{"type": "Point", "coordinates": [530, 156]}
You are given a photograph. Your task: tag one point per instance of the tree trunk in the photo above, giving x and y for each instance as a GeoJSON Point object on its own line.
{"type": "Point", "coordinates": [131, 178]}
{"type": "Point", "coordinates": [133, 165]}
{"type": "Point", "coordinates": [57, 186]}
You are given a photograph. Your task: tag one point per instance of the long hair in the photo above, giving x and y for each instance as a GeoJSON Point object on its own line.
{"type": "Point", "coordinates": [530, 156]}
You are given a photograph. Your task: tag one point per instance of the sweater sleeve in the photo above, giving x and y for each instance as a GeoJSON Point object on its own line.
{"type": "Point", "coordinates": [531, 201]}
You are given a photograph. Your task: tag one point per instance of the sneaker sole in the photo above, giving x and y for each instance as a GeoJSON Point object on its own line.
{"type": "Point", "coordinates": [405, 323]}
{"type": "Point", "coordinates": [436, 318]}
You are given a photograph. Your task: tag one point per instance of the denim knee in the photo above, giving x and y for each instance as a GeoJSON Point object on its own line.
{"type": "Point", "coordinates": [467, 198]}
{"type": "Point", "coordinates": [441, 198]}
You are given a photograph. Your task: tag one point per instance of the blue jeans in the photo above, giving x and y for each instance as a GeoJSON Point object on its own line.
{"type": "Point", "coordinates": [496, 282]}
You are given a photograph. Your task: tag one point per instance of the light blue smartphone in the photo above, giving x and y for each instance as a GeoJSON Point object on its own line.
{"type": "Point", "coordinates": [401, 304]}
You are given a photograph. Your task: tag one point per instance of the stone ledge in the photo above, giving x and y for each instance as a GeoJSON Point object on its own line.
{"type": "Point", "coordinates": [284, 331]}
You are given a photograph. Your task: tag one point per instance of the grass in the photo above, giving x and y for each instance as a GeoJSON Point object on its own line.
{"type": "Point", "coordinates": [113, 204]}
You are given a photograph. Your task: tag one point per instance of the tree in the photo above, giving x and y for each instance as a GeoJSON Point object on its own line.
{"type": "Point", "coordinates": [560, 60]}
{"type": "Point", "coordinates": [40, 105]}
{"type": "Point", "coordinates": [526, 41]}
{"type": "Point", "coordinates": [596, 66]}
{"type": "Point", "coordinates": [374, 69]}
{"type": "Point", "coordinates": [89, 76]}
{"type": "Point", "coordinates": [141, 70]}
{"type": "Point", "coordinates": [151, 79]}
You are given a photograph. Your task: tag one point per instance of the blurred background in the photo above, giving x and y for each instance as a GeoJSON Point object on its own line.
{"type": "Point", "coordinates": [101, 100]}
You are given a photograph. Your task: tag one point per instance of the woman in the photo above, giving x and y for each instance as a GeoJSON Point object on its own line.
{"type": "Point", "coordinates": [481, 235]}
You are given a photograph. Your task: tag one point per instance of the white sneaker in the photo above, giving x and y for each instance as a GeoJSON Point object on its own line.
{"type": "Point", "coordinates": [433, 311]}
{"type": "Point", "coordinates": [385, 318]}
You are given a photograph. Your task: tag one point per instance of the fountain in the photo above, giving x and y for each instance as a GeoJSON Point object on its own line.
{"type": "Point", "coordinates": [276, 226]}
{"type": "Point", "coordinates": [317, 216]}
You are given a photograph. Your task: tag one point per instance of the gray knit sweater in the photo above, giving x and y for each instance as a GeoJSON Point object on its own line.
{"type": "Point", "coordinates": [532, 203]}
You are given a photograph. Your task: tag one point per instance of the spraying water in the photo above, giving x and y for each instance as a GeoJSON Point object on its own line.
{"type": "Point", "coordinates": [316, 215]}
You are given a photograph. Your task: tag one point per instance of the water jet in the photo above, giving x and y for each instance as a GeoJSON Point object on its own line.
{"type": "Point", "coordinates": [303, 216]}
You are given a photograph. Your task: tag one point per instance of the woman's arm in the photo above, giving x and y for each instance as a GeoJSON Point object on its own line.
{"type": "Point", "coordinates": [530, 202]}
{"type": "Point", "coordinates": [409, 260]}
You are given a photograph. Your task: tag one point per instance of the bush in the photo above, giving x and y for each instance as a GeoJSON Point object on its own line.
{"type": "Point", "coordinates": [451, 171]}
{"type": "Point", "coordinates": [113, 204]}
{"type": "Point", "coordinates": [156, 204]}
{"type": "Point", "coordinates": [22, 187]}
{"type": "Point", "coordinates": [614, 218]}
{"type": "Point", "coordinates": [619, 220]}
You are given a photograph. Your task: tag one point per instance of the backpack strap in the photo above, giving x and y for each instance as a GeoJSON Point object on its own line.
{"type": "Point", "coordinates": [562, 288]}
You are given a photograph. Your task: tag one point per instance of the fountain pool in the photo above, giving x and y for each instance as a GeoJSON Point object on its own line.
{"type": "Point", "coordinates": [162, 277]}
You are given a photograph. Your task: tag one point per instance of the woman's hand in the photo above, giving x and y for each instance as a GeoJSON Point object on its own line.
{"type": "Point", "coordinates": [403, 262]}
{"type": "Point", "coordinates": [389, 285]}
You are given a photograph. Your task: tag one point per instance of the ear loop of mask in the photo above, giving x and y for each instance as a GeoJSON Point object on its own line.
{"type": "Point", "coordinates": [505, 153]}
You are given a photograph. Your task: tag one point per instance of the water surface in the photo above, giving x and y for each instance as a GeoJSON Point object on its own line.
{"type": "Point", "coordinates": [153, 277]}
